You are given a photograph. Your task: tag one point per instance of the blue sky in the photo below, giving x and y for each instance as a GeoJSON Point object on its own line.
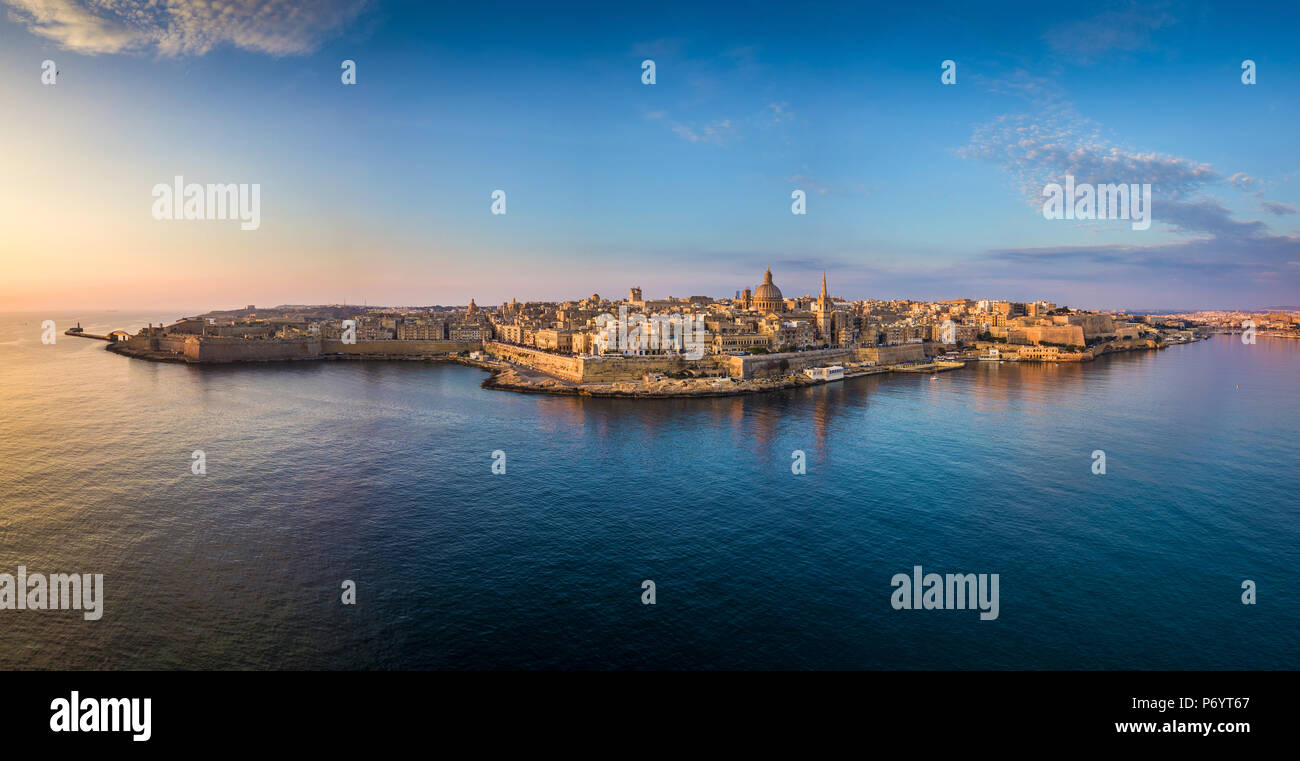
{"type": "Point", "coordinates": [381, 191]}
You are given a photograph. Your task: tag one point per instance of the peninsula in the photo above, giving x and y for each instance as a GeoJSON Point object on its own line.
{"type": "Point", "coordinates": [760, 340]}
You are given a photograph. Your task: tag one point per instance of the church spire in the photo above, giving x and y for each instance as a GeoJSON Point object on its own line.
{"type": "Point", "coordinates": [823, 284]}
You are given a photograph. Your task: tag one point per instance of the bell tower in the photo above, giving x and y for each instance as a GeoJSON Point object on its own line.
{"type": "Point", "coordinates": [825, 315]}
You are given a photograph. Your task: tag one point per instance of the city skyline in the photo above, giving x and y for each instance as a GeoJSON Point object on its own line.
{"type": "Point", "coordinates": [380, 192]}
{"type": "Point", "coordinates": [685, 293]}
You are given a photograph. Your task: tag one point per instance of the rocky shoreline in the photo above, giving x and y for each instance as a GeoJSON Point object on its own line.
{"type": "Point", "coordinates": [521, 381]}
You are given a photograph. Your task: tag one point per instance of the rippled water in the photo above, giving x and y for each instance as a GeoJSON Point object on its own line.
{"type": "Point", "coordinates": [380, 473]}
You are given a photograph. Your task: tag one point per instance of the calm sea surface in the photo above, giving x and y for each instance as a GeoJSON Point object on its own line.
{"type": "Point", "coordinates": [381, 473]}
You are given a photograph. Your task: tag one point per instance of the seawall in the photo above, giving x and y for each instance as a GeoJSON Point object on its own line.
{"type": "Point", "coordinates": [179, 347]}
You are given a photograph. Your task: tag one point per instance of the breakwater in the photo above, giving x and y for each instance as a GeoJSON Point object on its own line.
{"type": "Point", "coordinates": [82, 334]}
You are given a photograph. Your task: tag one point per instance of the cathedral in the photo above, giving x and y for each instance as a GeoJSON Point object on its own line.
{"type": "Point", "coordinates": [767, 298]}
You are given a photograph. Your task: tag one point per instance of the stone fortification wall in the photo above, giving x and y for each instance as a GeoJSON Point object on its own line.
{"type": "Point", "coordinates": [244, 350]}
{"type": "Point", "coordinates": [561, 366]}
{"type": "Point", "coordinates": [892, 355]}
{"type": "Point", "coordinates": [610, 369]}
{"type": "Point", "coordinates": [771, 365]}
{"type": "Point", "coordinates": [194, 348]}
{"type": "Point", "coordinates": [604, 369]}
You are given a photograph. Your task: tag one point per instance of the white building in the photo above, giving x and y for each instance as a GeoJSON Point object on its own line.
{"type": "Point", "coordinates": [831, 373]}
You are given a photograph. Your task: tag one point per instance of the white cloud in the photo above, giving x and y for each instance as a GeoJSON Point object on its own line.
{"type": "Point", "coordinates": [1038, 151]}
{"type": "Point", "coordinates": [714, 132]}
{"type": "Point", "coordinates": [1242, 180]}
{"type": "Point", "coordinates": [185, 27]}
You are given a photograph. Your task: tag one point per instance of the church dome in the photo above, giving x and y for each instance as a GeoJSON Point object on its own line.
{"type": "Point", "coordinates": [767, 297]}
{"type": "Point", "coordinates": [768, 289]}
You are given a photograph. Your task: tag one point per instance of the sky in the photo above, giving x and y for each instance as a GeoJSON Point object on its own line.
{"type": "Point", "coordinates": [380, 192]}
